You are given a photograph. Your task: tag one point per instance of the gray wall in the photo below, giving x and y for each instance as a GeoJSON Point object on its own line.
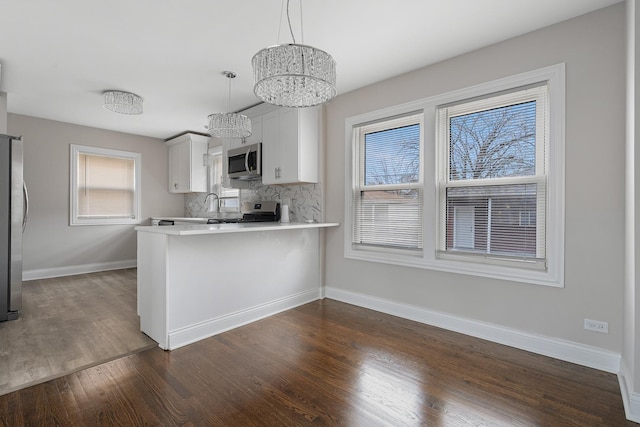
{"type": "Point", "coordinates": [593, 48]}
{"type": "Point", "coordinates": [49, 241]}
{"type": "Point", "coordinates": [3, 112]}
{"type": "Point", "coordinates": [631, 347]}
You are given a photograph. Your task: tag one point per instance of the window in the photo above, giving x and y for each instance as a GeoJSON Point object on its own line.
{"type": "Point", "coordinates": [387, 195]}
{"type": "Point", "coordinates": [492, 184]}
{"type": "Point", "coordinates": [104, 186]}
{"type": "Point", "coordinates": [229, 198]}
{"type": "Point", "coordinates": [470, 181]}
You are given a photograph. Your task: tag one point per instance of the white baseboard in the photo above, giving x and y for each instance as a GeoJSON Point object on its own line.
{"type": "Point", "coordinates": [46, 273]}
{"type": "Point", "coordinates": [630, 399]}
{"type": "Point", "coordinates": [181, 337]}
{"type": "Point", "coordinates": [569, 351]}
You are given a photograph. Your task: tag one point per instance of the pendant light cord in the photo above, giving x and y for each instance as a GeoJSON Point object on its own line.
{"type": "Point", "coordinates": [280, 23]}
{"type": "Point", "coordinates": [289, 21]}
{"type": "Point", "coordinates": [229, 95]}
{"type": "Point", "coordinates": [229, 75]}
{"type": "Point", "coordinates": [301, 25]}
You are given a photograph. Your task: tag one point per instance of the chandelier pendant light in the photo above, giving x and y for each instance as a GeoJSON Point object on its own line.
{"type": "Point", "coordinates": [122, 102]}
{"type": "Point", "coordinates": [294, 75]}
{"type": "Point", "coordinates": [229, 125]}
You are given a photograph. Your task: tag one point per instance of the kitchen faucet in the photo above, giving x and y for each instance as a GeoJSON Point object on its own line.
{"type": "Point", "coordinates": [217, 200]}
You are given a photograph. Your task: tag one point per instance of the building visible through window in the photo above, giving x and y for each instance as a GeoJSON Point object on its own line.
{"type": "Point", "coordinates": [493, 185]}
{"type": "Point", "coordinates": [388, 193]}
{"type": "Point", "coordinates": [470, 181]}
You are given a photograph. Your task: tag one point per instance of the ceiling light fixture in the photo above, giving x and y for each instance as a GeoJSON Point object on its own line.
{"type": "Point", "coordinates": [122, 102]}
{"type": "Point", "coordinates": [294, 75]}
{"type": "Point", "coordinates": [229, 125]}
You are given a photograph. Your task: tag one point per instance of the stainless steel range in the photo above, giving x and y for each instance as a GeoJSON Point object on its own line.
{"type": "Point", "coordinates": [253, 212]}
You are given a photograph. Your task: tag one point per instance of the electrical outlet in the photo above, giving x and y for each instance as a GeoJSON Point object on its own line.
{"type": "Point", "coordinates": [596, 325]}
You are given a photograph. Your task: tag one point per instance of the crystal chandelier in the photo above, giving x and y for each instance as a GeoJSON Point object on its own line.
{"type": "Point", "coordinates": [229, 125]}
{"type": "Point", "coordinates": [122, 102]}
{"type": "Point", "coordinates": [294, 75]}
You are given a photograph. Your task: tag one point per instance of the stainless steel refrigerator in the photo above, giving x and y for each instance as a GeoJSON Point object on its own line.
{"type": "Point", "coordinates": [13, 216]}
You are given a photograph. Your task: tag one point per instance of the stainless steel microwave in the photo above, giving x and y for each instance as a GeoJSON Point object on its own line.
{"type": "Point", "coordinates": [245, 162]}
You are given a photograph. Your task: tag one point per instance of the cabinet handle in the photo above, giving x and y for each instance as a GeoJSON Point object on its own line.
{"type": "Point", "coordinates": [175, 185]}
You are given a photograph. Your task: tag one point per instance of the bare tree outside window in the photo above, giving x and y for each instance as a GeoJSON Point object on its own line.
{"type": "Point", "coordinates": [388, 201]}
{"type": "Point", "coordinates": [494, 143]}
{"type": "Point", "coordinates": [392, 156]}
{"type": "Point", "coordinates": [469, 181]}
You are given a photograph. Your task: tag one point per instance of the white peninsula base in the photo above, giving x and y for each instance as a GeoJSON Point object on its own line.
{"type": "Point", "coordinates": [198, 281]}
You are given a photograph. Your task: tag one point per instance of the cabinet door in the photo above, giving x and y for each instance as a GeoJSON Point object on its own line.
{"type": "Point", "coordinates": [270, 147]}
{"type": "Point", "coordinates": [197, 174]}
{"type": "Point", "coordinates": [308, 144]}
{"type": "Point", "coordinates": [256, 130]}
{"type": "Point", "coordinates": [231, 143]}
{"type": "Point", "coordinates": [256, 135]}
{"type": "Point", "coordinates": [179, 158]}
{"type": "Point", "coordinates": [289, 146]}
{"type": "Point", "coordinates": [187, 172]}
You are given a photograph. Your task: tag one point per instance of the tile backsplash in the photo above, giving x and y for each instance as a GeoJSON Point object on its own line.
{"type": "Point", "coordinates": [305, 201]}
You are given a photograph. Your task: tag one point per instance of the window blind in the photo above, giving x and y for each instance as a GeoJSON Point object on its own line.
{"type": "Point", "coordinates": [388, 195]}
{"type": "Point", "coordinates": [493, 179]}
{"type": "Point", "coordinates": [389, 218]}
{"type": "Point", "coordinates": [500, 220]}
{"type": "Point", "coordinates": [106, 187]}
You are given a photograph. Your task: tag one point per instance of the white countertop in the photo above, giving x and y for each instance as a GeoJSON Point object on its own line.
{"type": "Point", "coordinates": [195, 229]}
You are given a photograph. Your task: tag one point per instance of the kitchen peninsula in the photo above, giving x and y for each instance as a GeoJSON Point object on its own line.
{"type": "Point", "coordinates": [195, 281]}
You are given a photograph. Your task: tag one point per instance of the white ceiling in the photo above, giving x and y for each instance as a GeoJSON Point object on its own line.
{"type": "Point", "coordinates": [59, 56]}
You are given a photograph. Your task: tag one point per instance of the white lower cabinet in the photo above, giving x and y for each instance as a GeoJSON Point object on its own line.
{"type": "Point", "coordinates": [290, 146]}
{"type": "Point", "coordinates": [187, 172]}
{"type": "Point", "coordinates": [191, 286]}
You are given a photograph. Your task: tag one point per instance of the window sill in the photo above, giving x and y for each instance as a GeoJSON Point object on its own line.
{"type": "Point", "coordinates": [513, 274]}
{"type": "Point", "coordinates": [102, 221]}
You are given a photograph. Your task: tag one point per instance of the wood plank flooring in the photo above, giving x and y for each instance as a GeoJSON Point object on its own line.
{"type": "Point", "coordinates": [70, 323]}
{"type": "Point", "coordinates": [326, 363]}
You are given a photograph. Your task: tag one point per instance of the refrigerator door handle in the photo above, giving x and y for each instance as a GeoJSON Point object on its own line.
{"type": "Point", "coordinates": [25, 214]}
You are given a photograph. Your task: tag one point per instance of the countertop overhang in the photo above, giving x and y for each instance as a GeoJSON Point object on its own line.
{"type": "Point", "coordinates": [197, 229]}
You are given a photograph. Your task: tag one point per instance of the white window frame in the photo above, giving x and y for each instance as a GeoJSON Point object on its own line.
{"type": "Point", "coordinates": [359, 171]}
{"type": "Point", "coordinates": [228, 198]}
{"type": "Point", "coordinates": [75, 150]}
{"type": "Point", "coordinates": [537, 93]}
{"type": "Point", "coordinates": [553, 275]}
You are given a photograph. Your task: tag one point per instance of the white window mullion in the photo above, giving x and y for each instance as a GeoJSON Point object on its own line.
{"type": "Point", "coordinates": [387, 194]}
{"type": "Point", "coordinates": [518, 218]}
{"type": "Point", "coordinates": [497, 190]}
{"type": "Point", "coordinates": [489, 215]}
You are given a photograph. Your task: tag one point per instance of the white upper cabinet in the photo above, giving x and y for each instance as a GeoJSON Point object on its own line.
{"type": "Point", "coordinates": [255, 115]}
{"type": "Point", "coordinates": [290, 146]}
{"type": "Point", "coordinates": [256, 131]}
{"type": "Point", "coordinates": [187, 172]}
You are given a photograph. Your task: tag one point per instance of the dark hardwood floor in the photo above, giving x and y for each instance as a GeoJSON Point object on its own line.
{"type": "Point", "coordinates": [326, 363]}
